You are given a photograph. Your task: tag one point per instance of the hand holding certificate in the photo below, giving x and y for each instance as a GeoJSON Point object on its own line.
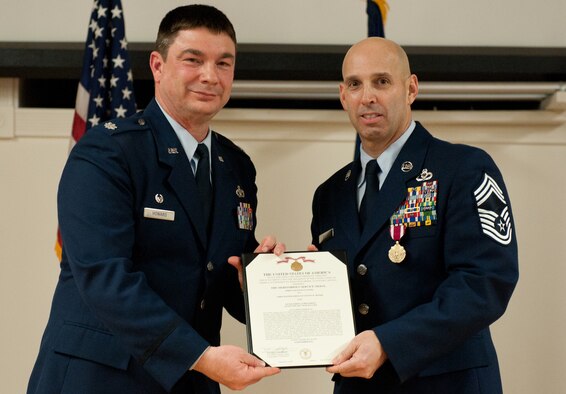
{"type": "Point", "coordinates": [298, 306]}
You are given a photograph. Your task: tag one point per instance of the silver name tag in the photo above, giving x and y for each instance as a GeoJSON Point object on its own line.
{"type": "Point", "coordinates": [159, 214]}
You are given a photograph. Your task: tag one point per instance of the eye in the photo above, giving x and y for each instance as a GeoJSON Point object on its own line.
{"type": "Point", "coordinates": [224, 64]}
{"type": "Point", "coordinates": [192, 60]}
{"type": "Point", "coordinates": [382, 81]}
{"type": "Point", "coordinates": [352, 84]}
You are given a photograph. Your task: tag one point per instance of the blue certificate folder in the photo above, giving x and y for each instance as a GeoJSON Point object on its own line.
{"type": "Point", "coordinates": [298, 307]}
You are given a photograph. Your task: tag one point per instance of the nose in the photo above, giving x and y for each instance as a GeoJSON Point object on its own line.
{"type": "Point", "coordinates": [209, 73]}
{"type": "Point", "coordinates": [369, 96]}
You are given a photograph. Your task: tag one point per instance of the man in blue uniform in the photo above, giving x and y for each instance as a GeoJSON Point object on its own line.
{"type": "Point", "coordinates": [429, 236]}
{"type": "Point", "coordinates": [146, 242]}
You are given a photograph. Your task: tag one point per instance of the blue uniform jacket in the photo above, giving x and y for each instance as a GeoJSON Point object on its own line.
{"type": "Point", "coordinates": [432, 311]}
{"type": "Point", "coordinates": [141, 292]}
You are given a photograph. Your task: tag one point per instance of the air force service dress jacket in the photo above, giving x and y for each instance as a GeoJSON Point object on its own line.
{"type": "Point", "coordinates": [432, 311]}
{"type": "Point", "coordinates": [142, 284]}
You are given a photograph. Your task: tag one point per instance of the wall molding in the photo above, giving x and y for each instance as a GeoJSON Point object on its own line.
{"type": "Point", "coordinates": [521, 127]}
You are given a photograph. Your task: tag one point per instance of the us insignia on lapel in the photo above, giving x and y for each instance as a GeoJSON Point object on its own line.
{"type": "Point", "coordinates": [495, 218]}
{"type": "Point", "coordinates": [419, 208]}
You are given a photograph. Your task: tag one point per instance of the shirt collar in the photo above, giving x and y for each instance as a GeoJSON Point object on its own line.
{"type": "Point", "coordinates": [188, 142]}
{"type": "Point", "coordinates": [387, 158]}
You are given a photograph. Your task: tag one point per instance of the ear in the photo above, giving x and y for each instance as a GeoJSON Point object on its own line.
{"type": "Point", "coordinates": [342, 96]}
{"type": "Point", "coordinates": [156, 64]}
{"type": "Point", "coordinates": [413, 88]}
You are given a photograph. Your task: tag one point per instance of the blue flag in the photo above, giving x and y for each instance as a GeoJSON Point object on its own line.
{"type": "Point", "coordinates": [377, 14]}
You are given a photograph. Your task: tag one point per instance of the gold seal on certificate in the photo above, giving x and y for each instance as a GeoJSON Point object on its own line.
{"type": "Point", "coordinates": [296, 266]}
{"type": "Point", "coordinates": [298, 307]}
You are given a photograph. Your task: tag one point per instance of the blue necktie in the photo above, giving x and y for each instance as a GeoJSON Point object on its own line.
{"type": "Point", "coordinates": [202, 177]}
{"type": "Point", "coordinates": [371, 193]}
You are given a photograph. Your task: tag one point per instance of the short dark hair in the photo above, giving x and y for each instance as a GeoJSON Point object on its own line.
{"type": "Point", "coordinates": [191, 17]}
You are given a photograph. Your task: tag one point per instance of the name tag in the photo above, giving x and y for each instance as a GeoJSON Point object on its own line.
{"type": "Point", "coordinates": [159, 214]}
{"type": "Point", "coordinates": [326, 236]}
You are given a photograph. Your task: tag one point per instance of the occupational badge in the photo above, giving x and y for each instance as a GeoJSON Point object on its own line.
{"type": "Point", "coordinates": [406, 166]}
{"type": "Point", "coordinates": [425, 175]}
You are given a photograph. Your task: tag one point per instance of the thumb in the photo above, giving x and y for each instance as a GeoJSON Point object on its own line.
{"type": "Point", "coordinates": [251, 360]}
{"type": "Point", "coordinates": [235, 262]}
{"type": "Point", "coordinates": [345, 354]}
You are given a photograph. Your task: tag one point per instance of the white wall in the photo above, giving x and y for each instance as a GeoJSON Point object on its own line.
{"type": "Point", "coordinates": [410, 22]}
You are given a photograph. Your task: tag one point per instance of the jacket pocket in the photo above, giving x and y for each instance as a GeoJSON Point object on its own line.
{"type": "Point", "coordinates": [91, 344]}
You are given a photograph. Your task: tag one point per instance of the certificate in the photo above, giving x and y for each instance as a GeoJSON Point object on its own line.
{"type": "Point", "coordinates": [298, 306]}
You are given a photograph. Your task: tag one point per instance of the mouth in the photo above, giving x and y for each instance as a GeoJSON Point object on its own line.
{"type": "Point", "coordinates": [371, 117]}
{"type": "Point", "coordinates": [205, 94]}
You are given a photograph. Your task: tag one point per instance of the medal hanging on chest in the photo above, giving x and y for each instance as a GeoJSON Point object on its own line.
{"type": "Point", "coordinates": [397, 252]}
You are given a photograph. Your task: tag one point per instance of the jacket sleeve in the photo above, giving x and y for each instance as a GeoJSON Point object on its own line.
{"type": "Point", "coordinates": [480, 274]}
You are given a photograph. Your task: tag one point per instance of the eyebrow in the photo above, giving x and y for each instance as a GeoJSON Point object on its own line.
{"type": "Point", "coordinates": [198, 52]}
{"type": "Point", "coordinates": [355, 77]}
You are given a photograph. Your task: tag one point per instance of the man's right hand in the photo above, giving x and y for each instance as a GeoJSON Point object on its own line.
{"type": "Point", "coordinates": [233, 367]}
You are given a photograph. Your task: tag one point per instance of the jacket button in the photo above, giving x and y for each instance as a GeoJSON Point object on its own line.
{"type": "Point", "coordinates": [363, 309]}
{"type": "Point", "coordinates": [210, 266]}
{"type": "Point", "coordinates": [362, 269]}
{"type": "Point", "coordinates": [202, 305]}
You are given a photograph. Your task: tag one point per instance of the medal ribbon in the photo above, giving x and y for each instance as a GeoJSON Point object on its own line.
{"type": "Point", "coordinates": [397, 231]}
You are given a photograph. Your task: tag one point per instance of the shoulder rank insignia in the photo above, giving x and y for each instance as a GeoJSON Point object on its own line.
{"type": "Point", "coordinates": [110, 126]}
{"type": "Point", "coordinates": [494, 215]}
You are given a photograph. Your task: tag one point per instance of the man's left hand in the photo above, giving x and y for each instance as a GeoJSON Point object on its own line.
{"type": "Point", "coordinates": [268, 244]}
{"type": "Point", "coordinates": [361, 358]}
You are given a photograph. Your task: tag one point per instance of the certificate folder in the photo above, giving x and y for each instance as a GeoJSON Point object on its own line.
{"type": "Point", "coordinates": [298, 307]}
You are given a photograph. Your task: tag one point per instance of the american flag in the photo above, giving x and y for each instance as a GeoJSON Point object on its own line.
{"type": "Point", "coordinates": [106, 88]}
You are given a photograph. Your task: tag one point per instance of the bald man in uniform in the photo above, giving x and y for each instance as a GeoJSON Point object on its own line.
{"type": "Point", "coordinates": [429, 235]}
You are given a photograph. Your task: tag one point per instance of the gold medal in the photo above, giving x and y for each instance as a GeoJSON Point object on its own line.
{"type": "Point", "coordinates": [397, 253]}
